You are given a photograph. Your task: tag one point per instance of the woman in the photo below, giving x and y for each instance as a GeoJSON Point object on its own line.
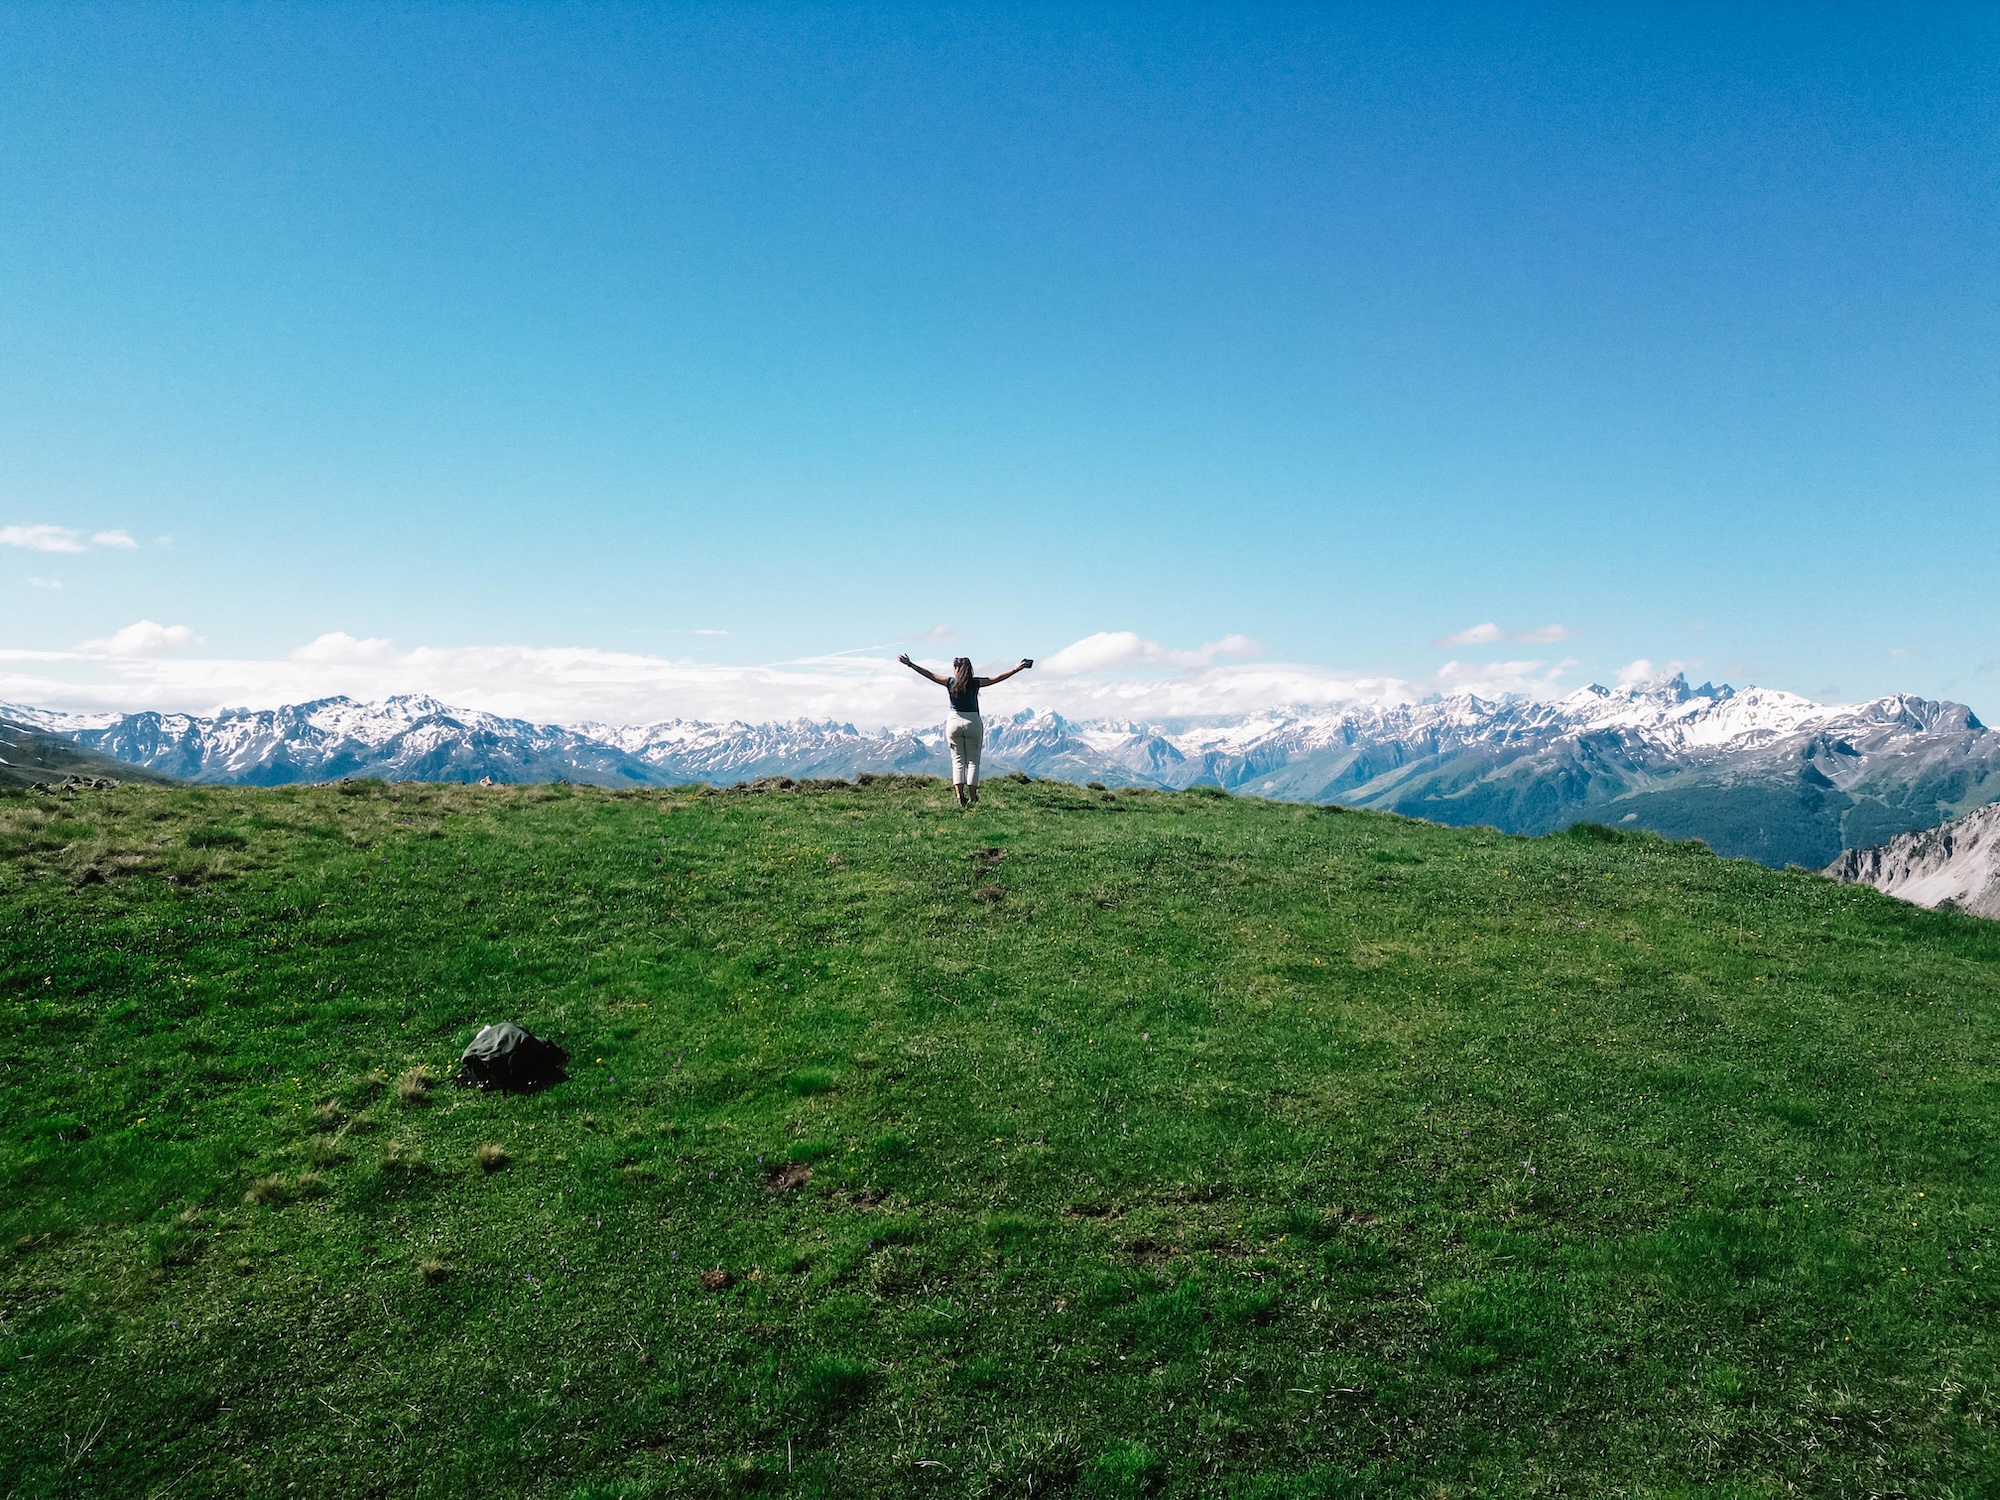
{"type": "Point", "coordinates": [963, 731]}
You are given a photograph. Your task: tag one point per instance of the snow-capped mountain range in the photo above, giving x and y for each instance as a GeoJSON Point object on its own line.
{"type": "Point", "coordinates": [1753, 771]}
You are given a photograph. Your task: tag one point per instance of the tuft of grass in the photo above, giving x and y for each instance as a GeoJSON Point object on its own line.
{"type": "Point", "coordinates": [402, 1156]}
{"type": "Point", "coordinates": [431, 1272]}
{"type": "Point", "coordinates": [272, 1189]}
{"type": "Point", "coordinates": [414, 1086]}
{"type": "Point", "coordinates": [834, 1383]}
{"type": "Point", "coordinates": [807, 1082]}
{"type": "Point", "coordinates": [491, 1158]}
{"type": "Point", "coordinates": [1124, 1469]}
{"type": "Point", "coordinates": [324, 1150]}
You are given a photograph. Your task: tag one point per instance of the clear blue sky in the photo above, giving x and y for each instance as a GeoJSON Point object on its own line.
{"type": "Point", "coordinates": [1341, 328]}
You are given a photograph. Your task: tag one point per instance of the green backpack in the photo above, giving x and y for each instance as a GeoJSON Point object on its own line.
{"type": "Point", "coordinates": [506, 1056]}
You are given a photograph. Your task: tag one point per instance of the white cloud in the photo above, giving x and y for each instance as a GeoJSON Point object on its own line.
{"type": "Point", "coordinates": [42, 538]}
{"type": "Point", "coordinates": [577, 684]}
{"type": "Point", "coordinates": [61, 538]}
{"type": "Point", "coordinates": [1233, 689]}
{"type": "Point", "coordinates": [1486, 634]}
{"type": "Point", "coordinates": [1473, 635]}
{"type": "Point", "coordinates": [1114, 674]}
{"type": "Point", "coordinates": [1498, 679]}
{"type": "Point", "coordinates": [140, 638]}
{"type": "Point", "coordinates": [938, 633]}
{"type": "Point", "coordinates": [340, 647]}
{"type": "Point", "coordinates": [46, 583]}
{"type": "Point", "coordinates": [1124, 651]}
{"type": "Point", "coordinates": [711, 632]}
{"type": "Point", "coordinates": [1637, 671]}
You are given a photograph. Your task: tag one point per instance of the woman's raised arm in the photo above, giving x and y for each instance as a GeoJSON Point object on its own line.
{"type": "Point", "coordinates": [923, 671]}
{"type": "Point", "coordinates": [1026, 662]}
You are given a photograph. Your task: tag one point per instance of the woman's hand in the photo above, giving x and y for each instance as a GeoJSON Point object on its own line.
{"type": "Point", "coordinates": [905, 660]}
{"type": "Point", "coordinates": [1026, 662]}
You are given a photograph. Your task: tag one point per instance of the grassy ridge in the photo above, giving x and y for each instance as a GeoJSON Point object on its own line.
{"type": "Point", "coordinates": [1157, 1143]}
{"type": "Point", "coordinates": [29, 755]}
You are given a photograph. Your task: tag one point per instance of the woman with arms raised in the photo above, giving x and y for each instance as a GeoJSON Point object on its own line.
{"type": "Point", "coordinates": [964, 731]}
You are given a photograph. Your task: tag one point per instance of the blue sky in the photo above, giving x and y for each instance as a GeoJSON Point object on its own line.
{"type": "Point", "coordinates": [470, 341]}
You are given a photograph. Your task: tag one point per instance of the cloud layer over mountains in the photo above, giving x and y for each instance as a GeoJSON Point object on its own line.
{"type": "Point", "coordinates": [148, 665]}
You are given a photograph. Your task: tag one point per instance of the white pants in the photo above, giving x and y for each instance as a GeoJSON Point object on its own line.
{"type": "Point", "coordinates": [965, 734]}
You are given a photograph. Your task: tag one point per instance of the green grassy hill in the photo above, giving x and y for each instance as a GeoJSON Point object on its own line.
{"type": "Point", "coordinates": [1106, 1144]}
{"type": "Point", "coordinates": [29, 755]}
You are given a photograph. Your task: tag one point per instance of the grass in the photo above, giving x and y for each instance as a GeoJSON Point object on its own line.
{"type": "Point", "coordinates": [1108, 1144]}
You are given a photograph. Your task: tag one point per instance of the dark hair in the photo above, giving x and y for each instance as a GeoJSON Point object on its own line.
{"type": "Point", "coordinates": [961, 674]}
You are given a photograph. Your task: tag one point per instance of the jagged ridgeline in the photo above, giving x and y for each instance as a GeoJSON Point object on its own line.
{"type": "Point", "coordinates": [1754, 773]}
{"type": "Point", "coordinates": [1092, 1143]}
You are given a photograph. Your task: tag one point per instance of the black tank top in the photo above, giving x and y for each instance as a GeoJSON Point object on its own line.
{"type": "Point", "coordinates": [966, 702]}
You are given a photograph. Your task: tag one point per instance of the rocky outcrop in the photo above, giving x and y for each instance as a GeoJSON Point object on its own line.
{"type": "Point", "coordinates": [1957, 865]}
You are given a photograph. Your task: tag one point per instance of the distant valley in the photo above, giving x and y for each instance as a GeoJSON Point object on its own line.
{"type": "Point", "coordinates": [1754, 772]}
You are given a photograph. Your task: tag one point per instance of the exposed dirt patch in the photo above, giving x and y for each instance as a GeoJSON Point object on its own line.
{"type": "Point", "coordinates": [1150, 1252]}
{"type": "Point", "coordinates": [717, 1280]}
{"type": "Point", "coordinates": [1094, 1211]}
{"type": "Point", "coordinates": [990, 892]}
{"type": "Point", "coordinates": [791, 1175]}
{"type": "Point", "coordinates": [869, 1198]}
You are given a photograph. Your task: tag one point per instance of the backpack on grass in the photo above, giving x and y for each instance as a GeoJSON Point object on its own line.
{"type": "Point", "coordinates": [506, 1056]}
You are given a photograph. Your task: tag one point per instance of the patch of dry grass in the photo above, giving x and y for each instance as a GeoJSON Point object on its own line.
{"type": "Point", "coordinates": [277, 1188]}
{"type": "Point", "coordinates": [402, 1156]}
